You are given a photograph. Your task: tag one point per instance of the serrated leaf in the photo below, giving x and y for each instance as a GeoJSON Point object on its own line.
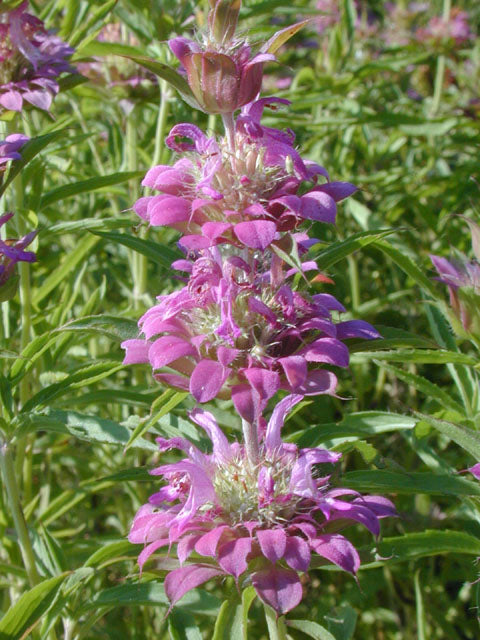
{"type": "Point", "coordinates": [115, 327]}
{"type": "Point", "coordinates": [153, 594]}
{"type": "Point", "coordinates": [463, 436]}
{"type": "Point", "coordinates": [27, 612]}
{"type": "Point", "coordinates": [339, 250]}
{"type": "Point", "coordinates": [423, 385]}
{"type": "Point", "coordinates": [158, 253]}
{"type": "Point", "coordinates": [170, 75]}
{"type": "Point", "coordinates": [424, 356]}
{"type": "Point", "coordinates": [81, 425]}
{"type": "Point", "coordinates": [427, 543]}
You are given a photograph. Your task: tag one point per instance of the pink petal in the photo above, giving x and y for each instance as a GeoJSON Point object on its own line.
{"type": "Point", "coordinates": [136, 351]}
{"type": "Point", "coordinates": [273, 543]}
{"type": "Point", "coordinates": [221, 447]}
{"type": "Point", "coordinates": [295, 368]}
{"type": "Point", "coordinates": [232, 556]}
{"type": "Point", "coordinates": [327, 350]}
{"type": "Point", "coordinates": [207, 379]}
{"type": "Point", "coordinates": [256, 234]}
{"type": "Point", "coordinates": [273, 439]}
{"type": "Point", "coordinates": [338, 550]}
{"type": "Point", "coordinates": [179, 581]}
{"type": "Point", "coordinates": [337, 190]}
{"type": "Point", "coordinates": [166, 210]}
{"type": "Point", "coordinates": [186, 545]}
{"type": "Point", "coordinates": [318, 382]}
{"type": "Point", "coordinates": [206, 545]}
{"type": "Point", "coordinates": [318, 206]}
{"type": "Point", "coordinates": [12, 100]}
{"type": "Point", "coordinates": [141, 207]}
{"type": "Point", "coordinates": [167, 349]}
{"type": "Point", "coordinates": [149, 549]}
{"type": "Point", "coordinates": [297, 553]}
{"type": "Point", "coordinates": [356, 329]}
{"type": "Point", "coordinates": [280, 588]}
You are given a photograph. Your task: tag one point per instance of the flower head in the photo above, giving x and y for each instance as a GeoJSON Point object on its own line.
{"type": "Point", "coordinates": [455, 30]}
{"type": "Point", "coordinates": [31, 58]}
{"type": "Point", "coordinates": [239, 328]}
{"type": "Point", "coordinates": [246, 196]}
{"type": "Point", "coordinates": [259, 524]}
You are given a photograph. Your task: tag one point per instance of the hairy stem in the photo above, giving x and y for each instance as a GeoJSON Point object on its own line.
{"type": "Point", "coordinates": [229, 124]}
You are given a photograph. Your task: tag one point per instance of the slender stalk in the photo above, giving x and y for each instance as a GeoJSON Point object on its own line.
{"type": "Point", "coordinates": [440, 71]}
{"type": "Point", "coordinates": [276, 626]}
{"type": "Point", "coordinates": [354, 282]}
{"type": "Point", "coordinates": [163, 112]}
{"type": "Point", "coordinates": [11, 488]}
{"type": "Point", "coordinates": [229, 124]}
{"type": "Point", "coordinates": [250, 437]}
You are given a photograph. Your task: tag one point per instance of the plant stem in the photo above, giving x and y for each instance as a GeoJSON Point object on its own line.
{"type": "Point", "coordinates": [276, 625]}
{"type": "Point", "coordinates": [11, 488]}
{"type": "Point", "coordinates": [250, 437]}
{"type": "Point", "coordinates": [229, 124]}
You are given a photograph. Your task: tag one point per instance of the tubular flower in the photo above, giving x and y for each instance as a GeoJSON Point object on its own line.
{"type": "Point", "coordinates": [260, 524]}
{"type": "Point", "coordinates": [9, 148]}
{"type": "Point", "coordinates": [462, 276]}
{"type": "Point", "coordinates": [31, 58]}
{"type": "Point", "coordinates": [238, 328]}
{"type": "Point", "coordinates": [12, 251]}
{"type": "Point", "coordinates": [245, 196]}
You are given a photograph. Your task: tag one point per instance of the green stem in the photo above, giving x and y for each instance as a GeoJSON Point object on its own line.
{"type": "Point", "coordinates": [354, 282]}
{"type": "Point", "coordinates": [165, 98]}
{"type": "Point", "coordinates": [440, 71]}
{"type": "Point", "coordinates": [276, 625]}
{"type": "Point", "coordinates": [11, 488]}
{"type": "Point", "coordinates": [250, 438]}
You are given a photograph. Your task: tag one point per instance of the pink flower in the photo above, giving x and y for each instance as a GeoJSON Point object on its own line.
{"type": "Point", "coordinates": [455, 30]}
{"type": "Point", "coordinates": [259, 524]}
{"type": "Point", "coordinates": [238, 328]}
{"type": "Point", "coordinates": [31, 59]}
{"type": "Point", "coordinates": [462, 276]}
{"type": "Point", "coordinates": [215, 195]}
{"type": "Point", "coordinates": [12, 251]}
{"type": "Point", "coordinates": [9, 148]}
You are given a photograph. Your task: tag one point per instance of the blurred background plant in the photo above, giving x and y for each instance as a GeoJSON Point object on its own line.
{"type": "Point", "coordinates": [385, 95]}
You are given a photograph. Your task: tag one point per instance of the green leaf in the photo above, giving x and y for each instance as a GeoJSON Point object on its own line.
{"type": "Point", "coordinates": [27, 612]}
{"type": "Point", "coordinates": [170, 75]}
{"type": "Point", "coordinates": [424, 356]}
{"type": "Point", "coordinates": [408, 266]}
{"type": "Point", "coordinates": [114, 327]}
{"type": "Point", "coordinates": [81, 378]}
{"type": "Point", "coordinates": [153, 594]}
{"type": "Point", "coordinates": [362, 424]}
{"type": "Point", "coordinates": [110, 553]}
{"type": "Point", "coordinates": [427, 543]}
{"type": "Point", "coordinates": [339, 250]}
{"type": "Point", "coordinates": [312, 629]}
{"type": "Point", "coordinates": [96, 16]}
{"type": "Point", "coordinates": [463, 436]}
{"type": "Point", "coordinates": [342, 622]}
{"type": "Point", "coordinates": [98, 48]}
{"type": "Point", "coordinates": [158, 253]}
{"type": "Point", "coordinates": [181, 626]}
{"type": "Point", "coordinates": [426, 387]}
{"type": "Point", "coordinates": [412, 482]}
{"type": "Point", "coordinates": [232, 621]}
{"type": "Point", "coordinates": [86, 186]}
{"type": "Point", "coordinates": [34, 350]}
{"type": "Point", "coordinates": [29, 150]}
{"type": "Point", "coordinates": [162, 405]}
{"type": "Point", "coordinates": [70, 263]}
{"type": "Point", "coordinates": [81, 425]}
